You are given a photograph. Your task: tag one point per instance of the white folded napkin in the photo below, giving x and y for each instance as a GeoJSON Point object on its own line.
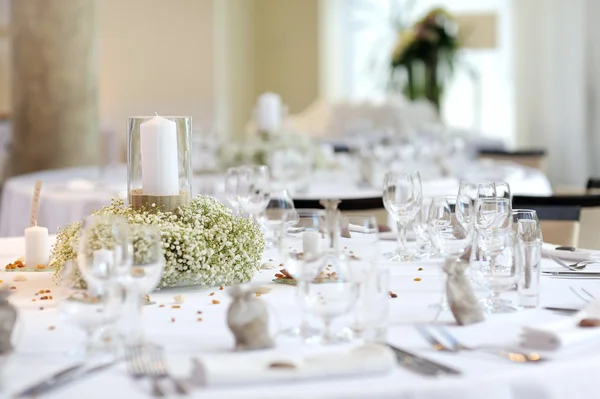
{"type": "Point", "coordinates": [257, 367]}
{"type": "Point", "coordinates": [578, 255]}
{"type": "Point", "coordinates": [564, 332]}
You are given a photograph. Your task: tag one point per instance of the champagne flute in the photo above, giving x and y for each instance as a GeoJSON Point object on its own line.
{"type": "Point", "coordinates": [402, 198]}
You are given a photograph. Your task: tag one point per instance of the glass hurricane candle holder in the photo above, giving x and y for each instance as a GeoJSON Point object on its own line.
{"type": "Point", "coordinates": [159, 167]}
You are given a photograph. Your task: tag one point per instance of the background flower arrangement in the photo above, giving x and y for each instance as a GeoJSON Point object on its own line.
{"type": "Point", "coordinates": [203, 243]}
{"type": "Point", "coordinates": [426, 54]}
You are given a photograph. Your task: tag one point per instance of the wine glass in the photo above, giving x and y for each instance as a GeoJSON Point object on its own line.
{"type": "Point", "coordinates": [105, 251]}
{"type": "Point", "coordinates": [503, 191]}
{"type": "Point", "coordinates": [332, 295]}
{"type": "Point", "coordinates": [501, 274]}
{"type": "Point", "coordinates": [231, 188]}
{"type": "Point", "coordinates": [144, 276]}
{"type": "Point", "coordinates": [402, 198]}
{"type": "Point", "coordinates": [87, 305]}
{"type": "Point", "coordinates": [253, 189]}
{"type": "Point", "coordinates": [305, 245]}
{"type": "Point", "coordinates": [279, 202]}
{"type": "Point", "coordinates": [492, 214]}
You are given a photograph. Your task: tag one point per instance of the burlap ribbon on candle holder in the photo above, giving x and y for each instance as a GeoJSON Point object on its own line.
{"type": "Point", "coordinates": [155, 203]}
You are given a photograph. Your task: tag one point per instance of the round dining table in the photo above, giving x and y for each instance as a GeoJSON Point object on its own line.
{"type": "Point", "coordinates": [43, 339]}
{"type": "Point", "coordinates": [68, 195]}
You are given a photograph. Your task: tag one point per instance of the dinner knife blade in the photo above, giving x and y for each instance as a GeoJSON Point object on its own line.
{"type": "Point", "coordinates": [75, 373]}
{"type": "Point", "coordinates": [573, 273]}
{"type": "Point", "coordinates": [422, 365]}
{"type": "Point", "coordinates": [64, 373]}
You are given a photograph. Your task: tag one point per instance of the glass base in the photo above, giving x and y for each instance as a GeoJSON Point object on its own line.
{"type": "Point", "coordinates": [305, 333]}
{"type": "Point", "coordinates": [401, 257]}
{"type": "Point", "coordinates": [496, 305]}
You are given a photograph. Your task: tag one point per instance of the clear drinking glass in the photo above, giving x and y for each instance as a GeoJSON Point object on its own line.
{"type": "Point", "coordinates": [492, 214]}
{"type": "Point", "coordinates": [502, 273]}
{"type": "Point", "coordinates": [305, 247]}
{"type": "Point", "coordinates": [361, 243]}
{"type": "Point", "coordinates": [231, 189]}
{"type": "Point", "coordinates": [503, 191]}
{"type": "Point", "coordinates": [425, 247]}
{"type": "Point", "coordinates": [402, 198]}
{"type": "Point", "coordinates": [90, 306]}
{"type": "Point", "coordinates": [279, 202]}
{"type": "Point", "coordinates": [529, 240]}
{"type": "Point", "coordinates": [253, 189]}
{"type": "Point", "coordinates": [144, 276]}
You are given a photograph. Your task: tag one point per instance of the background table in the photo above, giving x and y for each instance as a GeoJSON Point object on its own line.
{"type": "Point", "coordinates": [570, 373]}
{"type": "Point", "coordinates": [68, 195]}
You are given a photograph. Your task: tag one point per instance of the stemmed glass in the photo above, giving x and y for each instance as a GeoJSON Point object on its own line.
{"type": "Point", "coordinates": [89, 306]}
{"type": "Point", "coordinates": [144, 276]}
{"type": "Point", "coordinates": [231, 189]}
{"type": "Point", "coordinates": [279, 202]}
{"type": "Point", "coordinates": [501, 274]}
{"type": "Point", "coordinates": [402, 198]}
{"type": "Point", "coordinates": [253, 190]}
{"type": "Point", "coordinates": [305, 246]}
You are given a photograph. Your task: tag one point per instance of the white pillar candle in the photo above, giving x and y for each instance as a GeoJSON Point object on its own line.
{"type": "Point", "coordinates": [310, 243]}
{"type": "Point", "coordinates": [160, 166]}
{"type": "Point", "coordinates": [36, 246]}
{"type": "Point", "coordinates": [268, 112]}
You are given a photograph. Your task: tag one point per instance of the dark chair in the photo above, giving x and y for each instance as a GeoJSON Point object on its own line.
{"type": "Point", "coordinates": [355, 206]}
{"type": "Point", "coordinates": [566, 219]}
{"type": "Point", "coordinates": [593, 185]}
{"type": "Point", "coordinates": [533, 158]}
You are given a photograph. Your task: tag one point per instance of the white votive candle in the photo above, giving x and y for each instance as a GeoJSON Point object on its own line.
{"type": "Point", "coordinates": [310, 243]}
{"type": "Point", "coordinates": [268, 112]}
{"type": "Point", "coordinates": [160, 166]}
{"type": "Point", "coordinates": [36, 246]}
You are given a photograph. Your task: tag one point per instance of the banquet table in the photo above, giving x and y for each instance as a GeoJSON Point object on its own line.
{"type": "Point", "coordinates": [570, 372]}
{"type": "Point", "coordinates": [68, 195]}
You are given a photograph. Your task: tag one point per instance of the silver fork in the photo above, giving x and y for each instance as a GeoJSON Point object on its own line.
{"type": "Point", "coordinates": [139, 368]}
{"type": "Point", "coordinates": [589, 295]}
{"type": "Point", "coordinates": [456, 346]}
{"type": "Point", "coordinates": [157, 358]}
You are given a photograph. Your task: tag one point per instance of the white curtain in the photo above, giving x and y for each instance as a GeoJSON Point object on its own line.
{"type": "Point", "coordinates": [557, 84]}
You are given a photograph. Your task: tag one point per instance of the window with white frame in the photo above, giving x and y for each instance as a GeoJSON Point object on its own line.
{"type": "Point", "coordinates": [479, 96]}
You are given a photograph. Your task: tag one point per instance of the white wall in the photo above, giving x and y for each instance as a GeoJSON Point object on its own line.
{"type": "Point", "coordinates": [154, 55]}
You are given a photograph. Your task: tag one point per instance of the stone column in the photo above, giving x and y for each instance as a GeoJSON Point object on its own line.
{"type": "Point", "coordinates": [55, 85]}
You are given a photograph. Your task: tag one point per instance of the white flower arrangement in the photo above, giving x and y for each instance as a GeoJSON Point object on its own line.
{"type": "Point", "coordinates": [203, 243]}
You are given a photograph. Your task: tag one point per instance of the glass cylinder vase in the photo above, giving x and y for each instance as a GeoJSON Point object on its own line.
{"type": "Point", "coordinates": [159, 167]}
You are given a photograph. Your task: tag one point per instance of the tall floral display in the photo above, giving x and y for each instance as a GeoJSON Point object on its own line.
{"type": "Point", "coordinates": [423, 58]}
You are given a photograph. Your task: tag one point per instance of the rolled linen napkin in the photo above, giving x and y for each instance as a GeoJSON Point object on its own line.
{"type": "Point", "coordinates": [578, 255]}
{"type": "Point", "coordinates": [563, 332]}
{"type": "Point", "coordinates": [254, 368]}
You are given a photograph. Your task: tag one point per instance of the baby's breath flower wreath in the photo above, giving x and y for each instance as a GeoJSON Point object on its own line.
{"type": "Point", "coordinates": [203, 242]}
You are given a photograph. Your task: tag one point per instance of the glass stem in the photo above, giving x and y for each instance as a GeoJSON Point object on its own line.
{"type": "Point", "coordinates": [327, 333]}
{"type": "Point", "coordinates": [134, 331]}
{"type": "Point", "coordinates": [401, 240]}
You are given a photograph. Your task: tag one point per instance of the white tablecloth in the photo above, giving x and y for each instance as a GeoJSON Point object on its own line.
{"type": "Point", "coordinates": [68, 195]}
{"type": "Point", "coordinates": [569, 373]}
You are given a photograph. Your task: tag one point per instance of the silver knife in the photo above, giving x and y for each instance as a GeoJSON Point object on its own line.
{"type": "Point", "coordinates": [573, 273]}
{"type": "Point", "coordinates": [61, 378]}
{"type": "Point", "coordinates": [422, 365]}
